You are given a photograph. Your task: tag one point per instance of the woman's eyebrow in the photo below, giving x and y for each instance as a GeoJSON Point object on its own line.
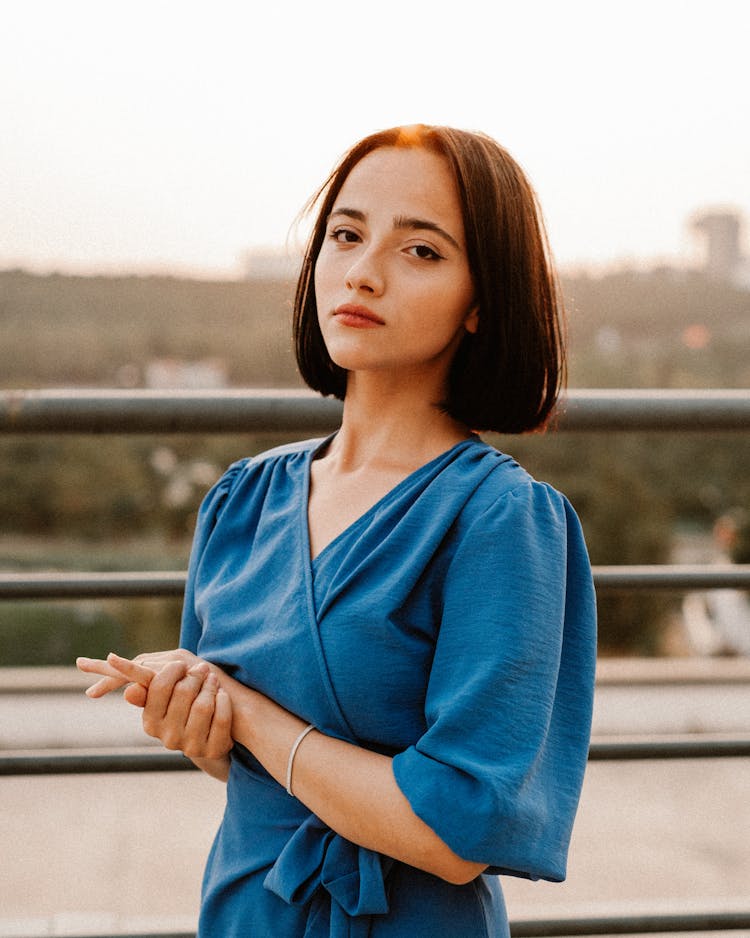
{"type": "Point", "coordinates": [401, 222]}
{"type": "Point", "coordinates": [349, 212]}
{"type": "Point", "coordinates": [417, 224]}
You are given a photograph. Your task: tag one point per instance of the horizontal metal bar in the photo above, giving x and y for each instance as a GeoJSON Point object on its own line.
{"type": "Point", "coordinates": [676, 748]}
{"type": "Point", "coordinates": [655, 409]}
{"type": "Point", "coordinates": [159, 760]}
{"type": "Point", "coordinates": [562, 927]}
{"type": "Point", "coordinates": [155, 934]}
{"type": "Point", "coordinates": [114, 411]}
{"type": "Point", "coordinates": [631, 925]}
{"type": "Point", "coordinates": [673, 576]}
{"type": "Point", "coordinates": [292, 411]}
{"type": "Point", "coordinates": [85, 763]}
{"type": "Point", "coordinates": [91, 585]}
{"type": "Point", "coordinates": [69, 585]}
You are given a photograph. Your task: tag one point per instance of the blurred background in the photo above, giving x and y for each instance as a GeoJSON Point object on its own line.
{"type": "Point", "coordinates": [155, 158]}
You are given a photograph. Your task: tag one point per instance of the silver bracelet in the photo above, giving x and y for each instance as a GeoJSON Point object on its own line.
{"type": "Point", "coordinates": [292, 754]}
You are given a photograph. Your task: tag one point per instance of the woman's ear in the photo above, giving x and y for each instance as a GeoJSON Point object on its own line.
{"type": "Point", "coordinates": [471, 322]}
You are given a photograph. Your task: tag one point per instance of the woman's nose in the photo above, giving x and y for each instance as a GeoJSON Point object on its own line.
{"type": "Point", "coordinates": [366, 274]}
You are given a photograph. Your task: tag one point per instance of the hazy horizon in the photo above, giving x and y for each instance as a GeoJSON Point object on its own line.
{"type": "Point", "coordinates": [151, 138]}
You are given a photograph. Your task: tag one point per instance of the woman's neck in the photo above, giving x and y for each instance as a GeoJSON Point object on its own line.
{"type": "Point", "coordinates": [389, 422]}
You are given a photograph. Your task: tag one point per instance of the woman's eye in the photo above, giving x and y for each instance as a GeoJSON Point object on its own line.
{"type": "Point", "coordinates": [344, 235]}
{"type": "Point", "coordinates": [424, 252]}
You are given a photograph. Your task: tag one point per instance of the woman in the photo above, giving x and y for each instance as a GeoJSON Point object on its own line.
{"type": "Point", "coordinates": [394, 625]}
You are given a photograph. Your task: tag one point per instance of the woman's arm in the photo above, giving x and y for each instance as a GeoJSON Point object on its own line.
{"type": "Point", "coordinates": [350, 788]}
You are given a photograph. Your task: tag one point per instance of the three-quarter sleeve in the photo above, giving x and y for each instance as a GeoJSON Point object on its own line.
{"type": "Point", "coordinates": [498, 772]}
{"type": "Point", "coordinates": [211, 506]}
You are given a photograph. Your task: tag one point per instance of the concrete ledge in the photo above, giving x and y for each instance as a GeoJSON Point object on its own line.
{"type": "Point", "coordinates": [609, 672]}
{"type": "Point", "coordinates": [650, 671]}
{"type": "Point", "coordinates": [43, 680]}
{"type": "Point", "coordinates": [94, 924]}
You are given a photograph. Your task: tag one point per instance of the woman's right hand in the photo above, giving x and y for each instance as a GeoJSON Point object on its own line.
{"type": "Point", "coordinates": [187, 710]}
{"type": "Point", "coordinates": [183, 706]}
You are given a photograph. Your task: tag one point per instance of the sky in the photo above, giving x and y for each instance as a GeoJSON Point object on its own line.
{"type": "Point", "coordinates": [173, 137]}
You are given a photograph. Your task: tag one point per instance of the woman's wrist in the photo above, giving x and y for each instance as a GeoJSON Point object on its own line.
{"type": "Point", "coordinates": [216, 768]}
{"type": "Point", "coordinates": [265, 728]}
{"type": "Point", "coordinates": [245, 716]}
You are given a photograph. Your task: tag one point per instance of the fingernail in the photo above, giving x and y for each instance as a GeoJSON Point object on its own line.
{"type": "Point", "coordinates": [198, 669]}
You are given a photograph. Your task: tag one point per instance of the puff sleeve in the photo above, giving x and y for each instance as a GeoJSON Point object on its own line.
{"type": "Point", "coordinates": [208, 514]}
{"type": "Point", "coordinates": [498, 772]}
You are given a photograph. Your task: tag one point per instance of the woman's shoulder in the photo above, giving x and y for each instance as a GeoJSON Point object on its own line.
{"type": "Point", "coordinates": [505, 499]}
{"type": "Point", "coordinates": [249, 464]}
{"type": "Point", "coordinates": [249, 470]}
{"type": "Point", "coordinates": [285, 450]}
{"type": "Point", "coordinates": [500, 477]}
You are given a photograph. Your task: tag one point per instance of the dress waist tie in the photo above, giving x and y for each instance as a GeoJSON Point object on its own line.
{"type": "Point", "coordinates": [343, 883]}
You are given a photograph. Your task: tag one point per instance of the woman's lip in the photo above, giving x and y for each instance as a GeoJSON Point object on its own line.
{"type": "Point", "coordinates": [354, 315]}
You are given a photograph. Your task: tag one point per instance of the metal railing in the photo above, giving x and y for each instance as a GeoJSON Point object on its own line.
{"type": "Point", "coordinates": [157, 760]}
{"type": "Point", "coordinates": [99, 412]}
{"type": "Point", "coordinates": [171, 583]}
{"type": "Point", "coordinates": [290, 411]}
{"type": "Point", "coordinates": [560, 927]}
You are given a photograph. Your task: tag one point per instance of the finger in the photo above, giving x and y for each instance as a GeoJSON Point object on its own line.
{"type": "Point", "coordinates": [220, 740]}
{"type": "Point", "coordinates": [105, 686]}
{"type": "Point", "coordinates": [136, 694]}
{"type": "Point", "coordinates": [93, 665]}
{"type": "Point", "coordinates": [167, 707]}
{"type": "Point", "coordinates": [189, 698]}
{"type": "Point", "coordinates": [201, 670]}
{"type": "Point", "coordinates": [208, 729]}
{"type": "Point", "coordinates": [161, 688]}
{"type": "Point", "coordinates": [97, 666]}
{"type": "Point", "coordinates": [132, 670]}
{"type": "Point", "coordinates": [198, 721]}
{"type": "Point", "coordinates": [155, 660]}
{"type": "Point", "coordinates": [111, 680]}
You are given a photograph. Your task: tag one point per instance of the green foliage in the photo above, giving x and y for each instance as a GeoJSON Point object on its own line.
{"type": "Point", "coordinates": [659, 329]}
{"type": "Point", "coordinates": [41, 634]}
{"type": "Point", "coordinates": [102, 331]}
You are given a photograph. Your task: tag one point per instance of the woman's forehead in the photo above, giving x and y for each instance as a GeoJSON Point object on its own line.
{"type": "Point", "coordinates": [404, 180]}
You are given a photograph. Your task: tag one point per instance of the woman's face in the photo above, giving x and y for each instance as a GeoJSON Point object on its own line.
{"type": "Point", "coordinates": [392, 281]}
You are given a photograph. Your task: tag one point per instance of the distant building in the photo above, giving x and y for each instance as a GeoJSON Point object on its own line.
{"type": "Point", "coordinates": [173, 374]}
{"type": "Point", "coordinates": [720, 231]}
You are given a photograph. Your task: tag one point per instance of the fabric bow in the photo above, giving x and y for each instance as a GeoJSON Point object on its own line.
{"type": "Point", "coordinates": [352, 880]}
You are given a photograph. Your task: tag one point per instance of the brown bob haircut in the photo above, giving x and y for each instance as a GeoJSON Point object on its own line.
{"type": "Point", "coordinates": [506, 377]}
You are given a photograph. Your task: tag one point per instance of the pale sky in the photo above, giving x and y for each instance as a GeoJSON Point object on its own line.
{"type": "Point", "coordinates": [154, 136]}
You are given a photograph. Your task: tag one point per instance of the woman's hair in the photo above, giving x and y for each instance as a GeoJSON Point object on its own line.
{"type": "Point", "coordinates": [506, 377]}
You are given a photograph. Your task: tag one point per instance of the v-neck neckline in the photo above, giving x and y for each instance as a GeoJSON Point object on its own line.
{"type": "Point", "coordinates": [313, 562]}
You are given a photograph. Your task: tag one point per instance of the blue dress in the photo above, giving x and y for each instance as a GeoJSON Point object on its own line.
{"type": "Point", "coordinates": [451, 627]}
